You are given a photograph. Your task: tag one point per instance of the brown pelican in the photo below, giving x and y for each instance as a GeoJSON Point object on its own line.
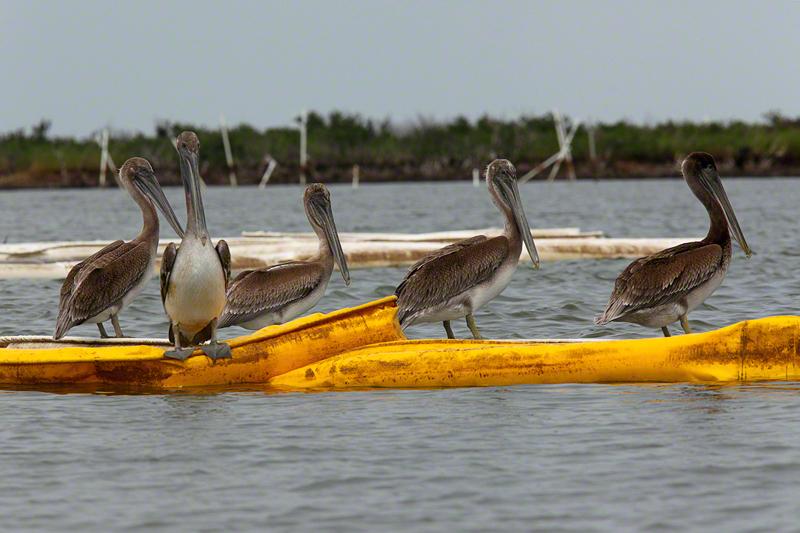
{"type": "Point", "coordinates": [460, 278]}
{"type": "Point", "coordinates": [279, 293]}
{"type": "Point", "coordinates": [660, 289]}
{"type": "Point", "coordinates": [194, 275]}
{"type": "Point", "coordinates": [99, 287]}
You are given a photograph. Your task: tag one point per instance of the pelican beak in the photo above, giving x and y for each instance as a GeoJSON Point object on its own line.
{"type": "Point", "coordinates": [190, 173]}
{"type": "Point", "coordinates": [515, 203]}
{"type": "Point", "coordinates": [148, 184]}
{"type": "Point", "coordinates": [714, 184]}
{"type": "Point", "coordinates": [332, 236]}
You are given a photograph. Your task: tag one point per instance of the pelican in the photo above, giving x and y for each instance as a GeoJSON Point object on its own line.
{"type": "Point", "coordinates": [279, 293]}
{"type": "Point", "coordinates": [662, 288]}
{"type": "Point", "coordinates": [99, 287]}
{"type": "Point", "coordinates": [195, 275]}
{"type": "Point", "coordinates": [456, 280]}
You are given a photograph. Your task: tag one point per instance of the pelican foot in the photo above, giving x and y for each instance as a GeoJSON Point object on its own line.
{"type": "Point", "coordinates": [217, 350]}
{"type": "Point", "coordinates": [181, 354]}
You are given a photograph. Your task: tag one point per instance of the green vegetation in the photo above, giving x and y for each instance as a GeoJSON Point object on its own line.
{"type": "Point", "coordinates": [422, 150]}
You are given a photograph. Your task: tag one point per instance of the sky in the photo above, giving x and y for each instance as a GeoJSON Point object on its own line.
{"type": "Point", "coordinates": [85, 65]}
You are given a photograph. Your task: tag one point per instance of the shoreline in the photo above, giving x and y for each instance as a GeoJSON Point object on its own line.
{"type": "Point", "coordinates": [285, 175]}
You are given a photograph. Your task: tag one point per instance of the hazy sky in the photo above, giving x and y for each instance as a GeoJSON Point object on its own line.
{"type": "Point", "coordinates": [125, 64]}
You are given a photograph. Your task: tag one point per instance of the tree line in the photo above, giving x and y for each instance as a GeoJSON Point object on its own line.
{"type": "Point", "coordinates": [419, 149]}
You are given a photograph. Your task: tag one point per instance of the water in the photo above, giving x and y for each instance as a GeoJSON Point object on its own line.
{"type": "Point", "coordinates": [567, 457]}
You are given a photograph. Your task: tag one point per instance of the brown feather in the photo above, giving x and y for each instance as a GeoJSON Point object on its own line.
{"type": "Point", "coordinates": [224, 254]}
{"type": "Point", "coordinates": [167, 263]}
{"type": "Point", "coordinates": [448, 272]}
{"type": "Point", "coordinates": [101, 282]}
{"type": "Point", "coordinates": [256, 292]}
{"type": "Point", "coordinates": [662, 278]}
{"type": "Point", "coordinates": [69, 283]}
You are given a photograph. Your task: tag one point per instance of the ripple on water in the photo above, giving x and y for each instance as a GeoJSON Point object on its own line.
{"type": "Point", "coordinates": [560, 457]}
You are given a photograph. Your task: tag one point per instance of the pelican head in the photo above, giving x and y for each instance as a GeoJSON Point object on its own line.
{"type": "Point", "coordinates": [188, 146]}
{"type": "Point", "coordinates": [700, 172]}
{"type": "Point", "coordinates": [137, 175]}
{"type": "Point", "coordinates": [317, 202]}
{"type": "Point", "coordinates": [501, 178]}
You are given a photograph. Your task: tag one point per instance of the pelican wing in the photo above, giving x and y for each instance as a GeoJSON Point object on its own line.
{"type": "Point", "coordinates": [102, 282]}
{"type": "Point", "coordinates": [662, 278]}
{"type": "Point", "coordinates": [69, 283]}
{"type": "Point", "coordinates": [224, 254]}
{"type": "Point", "coordinates": [167, 262]}
{"type": "Point", "coordinates": [265, 290]}
{"type": "Point", "coordinates": [449, 272]}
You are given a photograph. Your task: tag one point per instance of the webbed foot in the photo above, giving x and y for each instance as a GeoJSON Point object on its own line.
{"type": "Point", "coordinates": [181, 354]}
{"type": "Point", "coordinates": [216, 350]}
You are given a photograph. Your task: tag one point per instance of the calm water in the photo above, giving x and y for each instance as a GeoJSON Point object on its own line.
{"type": "Point", "coordinates": [522, 458]}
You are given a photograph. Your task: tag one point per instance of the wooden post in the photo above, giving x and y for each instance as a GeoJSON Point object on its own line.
{"type": "Point", "coordinates": [540, 167]}
{"type": "Point", "coordinates": [226, 144]}
{"type": "Point", "coordinates": [592, 148]}
{"type": "Point", "coordinates": [568, 150]}
{"type": "Point", "coordinates": [560, 136]}
{"type": "Point", "coordinates": [558, 122]}
{"type": "Point", "coordinates": [564, 153]}
{"type": "Point", "coordinates": [303, 125]}
{"type": "Point", "coordinates": [271, 164]}
{"type": "Point", "coordinates": [565, 147]}
{"type": "Point", "coordinates": [103, 157]}
{"type": "Point", "coordinates": [106, 162]}
{"type": "Point", "coordinates": [476, 177]}
{"type": "Point", "coordinates": [356, 176]}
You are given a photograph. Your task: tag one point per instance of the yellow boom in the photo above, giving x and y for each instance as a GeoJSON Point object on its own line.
{"type": "Point", "coordinates": [363, 347]}
{"type": "Point", "coordinates": [763, 349]}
